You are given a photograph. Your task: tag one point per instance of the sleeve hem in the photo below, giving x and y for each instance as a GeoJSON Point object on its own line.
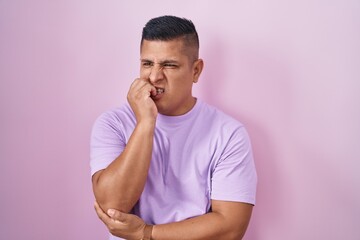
{"type": "Point", "coordinates": [244, 199]}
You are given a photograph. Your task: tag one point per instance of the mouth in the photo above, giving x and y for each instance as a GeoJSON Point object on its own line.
{"type": "Point", "coordinates": [160, 91]}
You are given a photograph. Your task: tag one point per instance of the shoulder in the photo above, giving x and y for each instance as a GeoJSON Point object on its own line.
{"type": "Point", "coordinates": [115, 118]}
{"type": "Point", "coordinates": [117, 115]}
{"type": "Point", "coordinates": [223, 128]}
{"type": "Point", "coordinates": [219, 118]}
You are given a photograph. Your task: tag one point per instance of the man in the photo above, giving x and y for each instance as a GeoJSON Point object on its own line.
{"type": "Point", "coordinates": [167, 165]}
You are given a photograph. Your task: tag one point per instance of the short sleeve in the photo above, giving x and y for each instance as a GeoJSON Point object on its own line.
{"type": "Point", "coordinates": [107, 141]}
{"type": "Point", "coordinates": [234, 176]}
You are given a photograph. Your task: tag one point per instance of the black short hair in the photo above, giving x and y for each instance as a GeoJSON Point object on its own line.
{"type": "Point", "coordinates": [167, 28]}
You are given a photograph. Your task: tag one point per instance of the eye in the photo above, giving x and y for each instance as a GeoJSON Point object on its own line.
{"type": "Point", "coordinates": [147, 64]}
{"type": "Point", "coordinates": [169, 65]}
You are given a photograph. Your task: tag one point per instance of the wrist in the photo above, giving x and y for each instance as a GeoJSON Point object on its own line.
{"type": "Point", "coordinates": [146, 124]}
{"type": "Point", "coordinates": [147, 232]}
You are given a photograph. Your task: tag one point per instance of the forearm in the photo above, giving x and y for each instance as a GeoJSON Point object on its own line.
{"type": "Point", "coordinates": [207, 227]}
{"type": "Point", "coordinates": [120, 185]}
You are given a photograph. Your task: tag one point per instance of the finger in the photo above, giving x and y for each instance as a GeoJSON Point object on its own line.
{"type": "Point", "coordinates": [142, 87]}
{"type": "Point", "coordinates": [153, 91]}
{"type": "Point", "coordinates": [149, 90]}
{"type": "Point", "coordinates": [101, 214]}
{"type": "Point", "coordinates": [139, 83]}
{"type": "Point", "coordinates": [117, 215]}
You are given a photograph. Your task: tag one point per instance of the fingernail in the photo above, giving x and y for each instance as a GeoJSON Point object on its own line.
{"type": "Point", "coordinates": [111, 212]}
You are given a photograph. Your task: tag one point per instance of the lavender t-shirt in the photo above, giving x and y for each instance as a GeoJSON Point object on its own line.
{"type": "Point", "coordinates": [201, 155]}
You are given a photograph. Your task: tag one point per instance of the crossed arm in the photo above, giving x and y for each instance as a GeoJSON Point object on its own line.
{"type": "Point", "coordinates": [227, 220]}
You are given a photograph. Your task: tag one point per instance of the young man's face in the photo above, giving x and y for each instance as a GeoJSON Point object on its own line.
{"type": "Point", "coordinates": [167, 66]}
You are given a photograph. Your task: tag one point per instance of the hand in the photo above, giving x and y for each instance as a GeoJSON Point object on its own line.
{"type": "Point", "coordinates": [122, 225]}
{"type": "Point", "coordinates": [139, 97]}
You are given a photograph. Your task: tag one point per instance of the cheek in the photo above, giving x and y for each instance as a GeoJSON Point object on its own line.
{"type": "Point", "coordinates": [144, 73]}
{"type": "Point", "coordinates": [179, 87]}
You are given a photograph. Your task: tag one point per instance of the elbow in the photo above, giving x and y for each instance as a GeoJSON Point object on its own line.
{"type": "Point", "coordinates": [107, 204]}
{"type": "Point", "coordinates": [107, 199]}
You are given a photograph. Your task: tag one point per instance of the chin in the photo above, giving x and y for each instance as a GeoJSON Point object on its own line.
{"type": "Point", "coordinates": [160, 107]}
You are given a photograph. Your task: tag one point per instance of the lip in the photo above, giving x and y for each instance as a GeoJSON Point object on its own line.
{"type": "Point", "coordinates": [159, 93]}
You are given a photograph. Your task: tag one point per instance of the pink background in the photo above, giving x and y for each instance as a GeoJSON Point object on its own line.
{"type": "Point", "coordinates": [289, 70]}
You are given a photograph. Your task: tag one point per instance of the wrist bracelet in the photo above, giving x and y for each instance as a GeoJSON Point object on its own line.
{"type": "Point", "coordinates": [147, 232]}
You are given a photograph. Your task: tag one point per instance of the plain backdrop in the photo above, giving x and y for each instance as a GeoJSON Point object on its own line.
{"type": "Point", "coordinates": [288, 70]}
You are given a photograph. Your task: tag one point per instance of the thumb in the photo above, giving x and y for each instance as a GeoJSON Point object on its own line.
{"type": "Point", "coordinates": [116, 215]}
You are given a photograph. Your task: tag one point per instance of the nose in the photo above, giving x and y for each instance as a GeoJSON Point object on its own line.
{"type": "Point", "coordinates": [156, 73]}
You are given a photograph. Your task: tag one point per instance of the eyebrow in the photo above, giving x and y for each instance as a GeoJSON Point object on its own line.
{"type": "Point", "coordinates": [161, 62]}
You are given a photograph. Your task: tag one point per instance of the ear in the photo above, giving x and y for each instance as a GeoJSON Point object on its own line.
{"type": "Point", "coordinates": [197, 69]}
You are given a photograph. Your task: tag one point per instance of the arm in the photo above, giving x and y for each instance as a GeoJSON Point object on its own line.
{"type": "Point", "coordinates": [120, 185]}
{"type": "Point", "coordinates": [227, 221]}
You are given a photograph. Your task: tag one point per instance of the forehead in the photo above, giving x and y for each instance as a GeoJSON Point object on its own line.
{"type": "Point", "coordinates": [163, 50]}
